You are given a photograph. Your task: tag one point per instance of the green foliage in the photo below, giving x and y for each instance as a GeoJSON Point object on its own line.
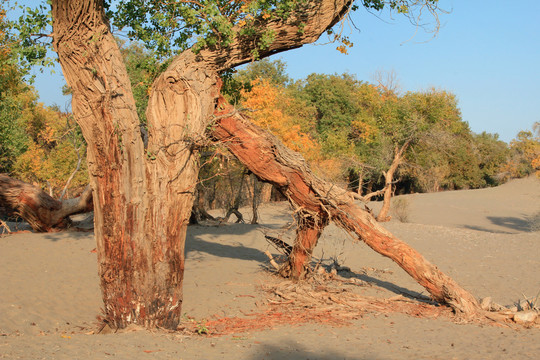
{"type": "Point", "coordinates": [143, 67]}
{"type": "Point", "coordinates": [13, 140]}
{"type": "Point", "coordinates": [169, 27]}
{"type": "Point", "coordinates": [357, 126]}
{"type": "Point", "coordinates": [174, 26]}
{"type": "Point", "coordinates": [32, 31]}
{"type": "Point", "coordinates": [55, 145]}
{"type": "Point", "coordinates": [236, 81]}
{"type": "Point", "coordinates": [272, 70]}
{"type": "Point", "coordinates": [366, 124]}
{"type": "Point", "coordinates": [37, 144]}
{"type": "Point", "coordinates": [524, 156]}
{"type": "Point", "coordinates": [492, 153]}
{"type": "Point", "coordinates": [334, 98]}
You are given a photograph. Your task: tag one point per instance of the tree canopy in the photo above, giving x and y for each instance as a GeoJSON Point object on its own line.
{"type": "Point", "coordinates": [168, 28]}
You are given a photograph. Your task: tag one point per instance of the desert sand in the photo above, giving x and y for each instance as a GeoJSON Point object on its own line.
{"type": "Point", "coordinates": [50, 296]}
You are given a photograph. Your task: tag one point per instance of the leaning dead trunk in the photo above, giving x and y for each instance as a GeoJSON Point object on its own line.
{"type": "Point", "coordinates": [266, 157]}
{"type": "Point", "coordinates": [36, 207]}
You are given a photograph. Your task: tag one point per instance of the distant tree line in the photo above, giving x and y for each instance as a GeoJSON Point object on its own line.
{"type": "Point", "coordinates": [350, 131]}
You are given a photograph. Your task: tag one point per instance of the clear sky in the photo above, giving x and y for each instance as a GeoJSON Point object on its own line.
{"type": "Point", "coordinates": [486, 52]}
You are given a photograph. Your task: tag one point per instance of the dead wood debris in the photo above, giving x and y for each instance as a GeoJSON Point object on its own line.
{"type": "Point", "coordinates": [315, 300]}
{"type": "Point", "coordinates": [326, 298]}
{"type": "Point", "coordinates": [280, 245]}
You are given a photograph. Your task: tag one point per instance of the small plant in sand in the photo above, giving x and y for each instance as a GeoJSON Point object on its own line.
{"type": "Point", "coordinates": [401, 209]}
{"type": "Point", "coordinates": [202, 329]}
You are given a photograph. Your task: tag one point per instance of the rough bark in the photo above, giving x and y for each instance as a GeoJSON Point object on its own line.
{"type": "Point", "coordinates": [388, 181]}
{"type": "Point", "coordinates": [304, 26]}
{"type": "Point", "coordinates": [308, 232]}
{"type": "Point", "coordinates": [143, 197]}
{"type": "Point", "coordinates": [39, 209]}
{"type": "Point", "coordinates": [266, 157]}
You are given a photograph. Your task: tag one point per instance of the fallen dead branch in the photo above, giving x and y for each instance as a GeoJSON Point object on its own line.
{"type": "Point", "coordinates": [41, 211]}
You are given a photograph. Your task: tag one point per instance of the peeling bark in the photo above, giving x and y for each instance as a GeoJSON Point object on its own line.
{"type": "Point", "coordinates": [39, 209]}
{"type": "Point", "coordinates": [142, 197]}
{"type": "Point", "coordinates": [266, 157]}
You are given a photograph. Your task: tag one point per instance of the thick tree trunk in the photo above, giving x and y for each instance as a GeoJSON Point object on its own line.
{"type": "Point", "coordinates": [388, 181]}
{"type": "Point", "coordinates": [143, 197]}
{"type": "Point", "coordinates": [266, 157]}
{"type": "Point", "coordinates": [36, 207]}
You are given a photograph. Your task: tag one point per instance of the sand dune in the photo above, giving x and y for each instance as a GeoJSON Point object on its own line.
{"type": "Point", "coordinates": [49, 288]}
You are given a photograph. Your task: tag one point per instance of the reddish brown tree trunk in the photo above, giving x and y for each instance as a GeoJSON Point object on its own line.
{"type": "Point", "coordinates": [36, 207]}
{"type": "Point", "coordinates": [266, 157]}
{"type": "Point", "coordinates": [143, 196]}
{"type": "Point", "coordinates": [308, 232]}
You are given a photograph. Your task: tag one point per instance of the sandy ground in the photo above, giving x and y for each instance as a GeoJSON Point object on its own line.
{"type": "Point", "coordinates": [50, 297]}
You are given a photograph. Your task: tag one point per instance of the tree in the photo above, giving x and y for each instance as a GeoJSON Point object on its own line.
{"type": "Point", "coordinates": [335, 107]}
{"type": "Point", "coordinates": [446, 155]}
{"type": "Point", "coordinates": [524, 154]}
{"type": "Point", "coordinates": [13, 140]}
{"type": "Point", "coordinates": [143, 193]}
{"type": "Point", "coordinates": [270, 105]}
{"type": "Point", "coordinates": [398, 128]}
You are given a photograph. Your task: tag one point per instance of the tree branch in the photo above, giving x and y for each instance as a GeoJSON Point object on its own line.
{"type": "Point", "coordinates": [304, 26]}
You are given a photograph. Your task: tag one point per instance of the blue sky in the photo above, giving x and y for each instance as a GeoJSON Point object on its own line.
{"type": "Point", "coordinates": [486, 52]}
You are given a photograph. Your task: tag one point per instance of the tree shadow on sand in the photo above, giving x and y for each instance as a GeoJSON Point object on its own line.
{"type": "Point", "coordinates": [195, 244]}
{"type": "Point", "coordinates": [513, 223]}
{"type": "Point", "coordinates": [294, 351]}
{"type": "Point", "coordinates": [199, 240]}
{"type": "Point", "coordinates": [399, 290]}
